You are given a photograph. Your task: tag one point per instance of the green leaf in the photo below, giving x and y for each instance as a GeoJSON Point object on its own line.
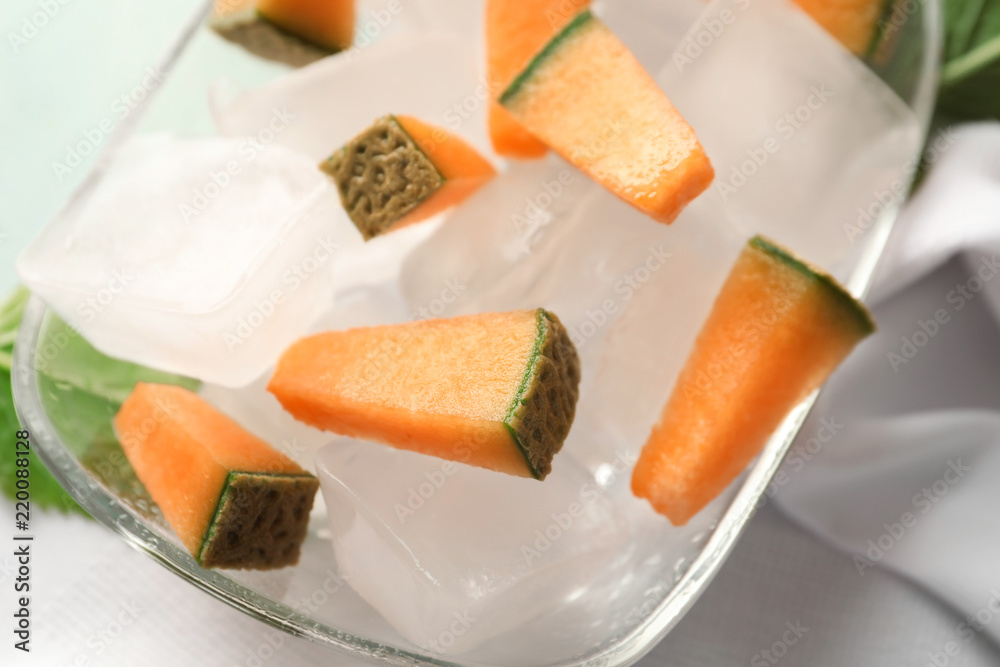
{"type": "Point", "coordinates": [970, 74]}
{"type": "Point", "coordinates": [46, 492]}
{"type": "Point", "coordinates": [81, 389]}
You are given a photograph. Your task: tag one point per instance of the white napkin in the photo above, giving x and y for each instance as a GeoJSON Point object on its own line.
{"type": "Point", "coordinates": [899, 464]}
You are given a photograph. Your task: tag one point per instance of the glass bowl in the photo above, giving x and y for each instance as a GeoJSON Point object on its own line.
{"type": "Point", "coordinates": [311, 601]}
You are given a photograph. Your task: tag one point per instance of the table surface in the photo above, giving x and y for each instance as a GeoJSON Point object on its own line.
{"type": "Point", "coordinates": [779, 577]}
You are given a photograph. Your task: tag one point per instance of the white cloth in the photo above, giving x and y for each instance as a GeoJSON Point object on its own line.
{"type": "Point", "coordinates": [905, 474]}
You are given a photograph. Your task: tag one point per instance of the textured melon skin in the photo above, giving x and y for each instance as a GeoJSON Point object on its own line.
{"type": "Point", "coordinates": [401, 171]}
{"type": "Point", "coordinates": [232, 499]}
{"type": "Point", "coordinates": [589, 99]}
{"type": "Point", "coordinates": [495, 390]}
{"type": "Point", "coordinates": [777, 330]}
{"type": "Point", "coordinates": [515, 32]}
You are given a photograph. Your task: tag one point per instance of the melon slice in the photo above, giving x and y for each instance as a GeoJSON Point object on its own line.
{"type": "Point", "coordinates": [328, 24]}
{"type": "Point", "coordinates": [589, 99]}
{"type": "Point", "coordinates": [496, 390]}
{"type": "Point", "coordinates": [515, 32]}
{"type": "Point", "coordinates": [850, 22]}
{"type": "Point", "coordinates": [233, 500]}
{"type": "Point", "coordinates": [402, 170]}
{"type": "Point", "coordinates": [778, 328]}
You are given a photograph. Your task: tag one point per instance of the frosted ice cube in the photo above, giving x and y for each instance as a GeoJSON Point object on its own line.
{"type": "Point", "coordinates": [452, 555]}
{"type": "Point", "coordinates": [651, 29]}
{"type": "Point", "coordinates": [199, 257]}
{"type": "Point", "coordinates": [544, 235]}
{"type": "Point", "coordinates": [431, 76]}
{"type": "Point", "coordinates": [803, 136]}
{"type": "Point", "coordinates": [647, 345]}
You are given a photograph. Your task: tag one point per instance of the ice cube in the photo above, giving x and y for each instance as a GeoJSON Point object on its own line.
{"type": "Point", "coordinates": [651, 29]}
{"type": "Point", "coordinates": [803, 136]}
{"type": "Point", "coordinates": [431, 76]}
{"type": "Point", "coordinates": [195, 256]}
{"type": "Point", "coordinates": [452, 555]}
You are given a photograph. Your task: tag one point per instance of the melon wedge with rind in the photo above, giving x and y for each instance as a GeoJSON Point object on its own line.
{"type": "Point", "coordinates": [232, 499]}
{"type": "Point", "coordinates": [401, 171]}
{"type": "Point", "coordinates": [589, 99]}
{"type": "Point", "coordinates": [494, 390]}
{"type": "Point", "coordinates": [778, 328]}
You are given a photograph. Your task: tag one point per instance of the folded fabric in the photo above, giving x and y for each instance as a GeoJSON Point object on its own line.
{"type": "Point", "coordinates": [899, 461]}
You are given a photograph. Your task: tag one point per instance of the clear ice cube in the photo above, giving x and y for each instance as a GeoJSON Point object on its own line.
{"type": "Point", "coordinates": [196, 256]}
{"type": "Point", "coordinates": [453, 555]}
{"type": "Point", "coordinates": [651, 29]}
{"type": "Point", "coordinates": [804, 137]}
{"type": "Point", "coordinates": [434, 77]}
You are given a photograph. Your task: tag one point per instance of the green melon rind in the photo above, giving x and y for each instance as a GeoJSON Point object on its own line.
{"type": "Point", "coordinates": [580, 20]}
{"type": "Point", "coordinates": [861, 318]}
{"type": "Point", "coordinates": [207, 555]}
{"type": "Point", "coordinates": [542, 411]}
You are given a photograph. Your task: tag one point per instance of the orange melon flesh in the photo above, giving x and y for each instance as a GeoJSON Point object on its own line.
{"type": "Point", "coordinates": [588, 98]}
{"type": "Point", "coordinates": [464, 170]}
{"type": "Point", "coordinates": [776, 331]}
{"type": "Point", "coordinates": [851, 22]}
{"type": "Point", "coordinates": [401, 170]}
{"type": "Point", "coordinates": [496, 390]}
{"type": "Point", "coordinates": [515, 32]}
{"type": "Point", "coordinates": [206, 474]}
{"type": "Point", "coordinates": [326, 23]}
